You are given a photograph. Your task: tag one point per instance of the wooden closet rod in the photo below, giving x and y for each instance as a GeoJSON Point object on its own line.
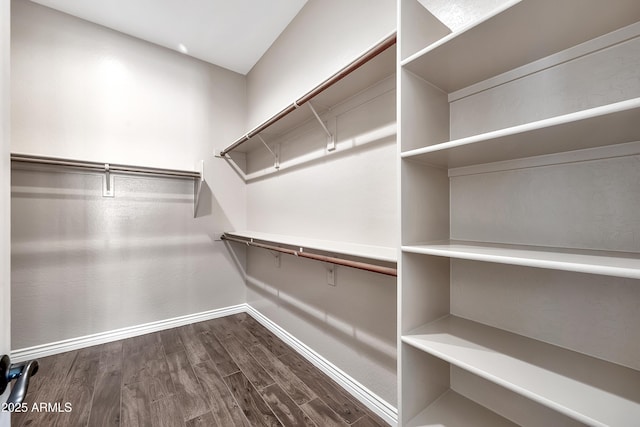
{"type": "Point", "coordinates": [360, 61]}
{"type": "Point", "coordinates": [103, 167]}
{"type": "Point", "coordinates": [333, 260]}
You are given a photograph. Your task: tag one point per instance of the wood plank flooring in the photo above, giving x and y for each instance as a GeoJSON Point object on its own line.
{"type": "Point", "coordinates": [224, 372]}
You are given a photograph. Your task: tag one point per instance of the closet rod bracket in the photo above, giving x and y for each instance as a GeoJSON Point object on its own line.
{"type": "Point", "coordinates": [276, 258]}
{"type": "Point", "coordinates": [331, 274]}
{"type": "Point", "coordinates": [331, 140]}
{"type": "Point", "coordinates": [108, 182]}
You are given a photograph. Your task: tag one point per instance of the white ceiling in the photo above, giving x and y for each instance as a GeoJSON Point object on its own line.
{"type": "Point", "coordinates": [233, 34]}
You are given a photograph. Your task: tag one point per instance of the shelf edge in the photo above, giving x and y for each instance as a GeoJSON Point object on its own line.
{"type": "Point", "coordinates": [588, 268]}
{"type": "Point", "coordinates": [548, 123]}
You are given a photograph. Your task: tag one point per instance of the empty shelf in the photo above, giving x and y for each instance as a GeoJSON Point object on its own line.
{"type": "Point", "coordinates": [452, 409]}
{"type": "Point", "coordinates": [587, 389]}
{"type": "Point", "coordinates": [379, 253]}
{"type": "Point", "coordinates": [607, 125]}
{"type": "Point", "coordinates": [618, 264]}
{"type": "Point", "coordinates": [522, 32]}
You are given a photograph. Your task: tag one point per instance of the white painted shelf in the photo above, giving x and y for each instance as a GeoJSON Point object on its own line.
{"type": "Point", "coordinates": [514, 35]}
{"type": "Point", "coordinates": [584, 388]}
{"type": "Point", "coordinates": [617, 264]}
{"type": "Point", "coordinates": [606, 125]}
{"type": "Point", "coordinates": [379, 253]}
{"type": "Point", "coordinates": [452, 409]}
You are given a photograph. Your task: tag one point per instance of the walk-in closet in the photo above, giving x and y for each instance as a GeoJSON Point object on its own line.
{"type": "Point", "coordinates": [320, 212]}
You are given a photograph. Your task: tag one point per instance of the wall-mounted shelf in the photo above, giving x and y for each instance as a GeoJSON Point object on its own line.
{"type": "Point", "coordinates": [101, 166]}
{"type": "Point", "coordinates": [299, 251]}
{"type": "Point", "coordinates": [113, 168]}
{"type": "Point", "coordinates": [587, 389]}
{"type": "Point", "coordinates": [512, 36]}
{"type": "Point", "coordinates": [377, 253]}
{"type": "Point", "coordinates": [294, 247]}
{"type": "Point", "coordinates": [607, 125]}
{"type": "Point", "coordinates": [370, 67]}
{"type": "Point", "coordinates": [617, 264]}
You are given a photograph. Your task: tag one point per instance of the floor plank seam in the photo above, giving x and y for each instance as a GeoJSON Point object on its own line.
{"type": "Point", "coordinates": [227, 388]}
{"type": "Point", "coordinates": [172, 395]}
{"type": "Point", "coordinates": [122, 380]}
{"type": "Point", "coordinates": [93, 392]}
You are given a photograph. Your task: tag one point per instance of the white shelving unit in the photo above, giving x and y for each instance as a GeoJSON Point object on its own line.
{"type": "Point", "coordinates": [519, 141]}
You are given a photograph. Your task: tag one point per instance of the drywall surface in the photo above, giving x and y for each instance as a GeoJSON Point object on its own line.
{"type": "Point", "coordinates": [352, 324]}
{"type": "Point", "coordinates": [5, 200]}
{"type": "Point", "coordinates": [347, 195]}
{"type": "Point", "coordinates": [351, 197]}
{"type": "Point", "coordinates": [83, 263]}
{"type": "Point", "coordinates": [584, 205]}
{"type": "Point", "coordinates": [84, 91]}
{"type": "Point", "coordinates": [324, 37]}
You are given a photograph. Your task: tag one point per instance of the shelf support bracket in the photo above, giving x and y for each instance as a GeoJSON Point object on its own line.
{"type": "Point", "coordinates": [107, 182]}
{"type": "Point", "coordinates": [197, 187]}
{"type": "Point", "coordinates": [331, 274]}
{"type": "Point", "coordinates": [275, 152]}
{"type": "Point", "coordinates": [276, 258]}
{"type": "Point", "coordinates": [331, 140]}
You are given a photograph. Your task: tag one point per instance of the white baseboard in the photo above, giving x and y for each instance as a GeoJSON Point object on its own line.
{"type": "Point", "coordinates": [372, 401]}
{"type": "Point", "coordinates": [49, 349]}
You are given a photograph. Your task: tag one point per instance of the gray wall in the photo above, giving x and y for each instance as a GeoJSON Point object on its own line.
{"type": "Point", "coordinates": [324, 37]}
{"type": "Point", "coordinates": [350, 196]}
{"type": "Point", "coordinates": [84, 264]}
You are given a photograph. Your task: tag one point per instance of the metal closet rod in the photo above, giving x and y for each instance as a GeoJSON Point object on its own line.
{"type": "Point", "coordinates": [333, 260]}
{"type": "Point", "coordinates": [357, 63]}
{"type": "Point", "coordinates": [102, 167]}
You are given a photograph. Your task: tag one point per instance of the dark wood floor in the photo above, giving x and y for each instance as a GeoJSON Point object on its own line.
{"type": "Point", "coordinates": [227, 372]}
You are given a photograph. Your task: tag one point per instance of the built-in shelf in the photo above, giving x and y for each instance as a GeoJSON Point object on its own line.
{"type": "Point", "coordinates": [512, 36]}
{"type": "Point", "coordinates": [554, 115]}
{"type": "Point", "coordinates": [608, 263]}
{"type": "Point", "coordinates": [378, 253]}
{"type": "Point", "coordinates": [584, 388]}
{"type": "Point", "coordinates": [452, 409]}
{"type": "Point", "coordinates": [606, 125]}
